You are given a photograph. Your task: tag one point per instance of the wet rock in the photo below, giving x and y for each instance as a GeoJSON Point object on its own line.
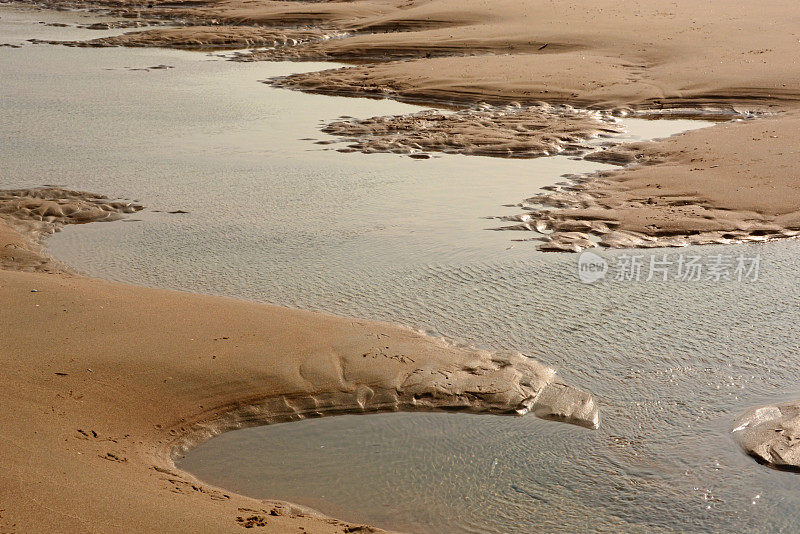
{"type": "Point", "coordinates": [771, 435]}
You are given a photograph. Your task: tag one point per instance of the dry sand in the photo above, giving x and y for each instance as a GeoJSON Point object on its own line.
{"type": "Point", "coordinates": [103, 384]}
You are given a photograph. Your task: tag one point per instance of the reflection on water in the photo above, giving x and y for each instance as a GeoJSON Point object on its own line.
{"type": "Point", "coordinates": [274, 217]}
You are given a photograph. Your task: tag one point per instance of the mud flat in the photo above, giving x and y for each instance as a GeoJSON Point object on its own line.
{"type": "Point", "coordinates": [105, 384]}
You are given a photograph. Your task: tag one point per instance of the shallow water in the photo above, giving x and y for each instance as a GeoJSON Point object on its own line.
{"type": "Point", "coordinates": [277, 218]}
{"type": "Point", "coordinates": [671, 363]}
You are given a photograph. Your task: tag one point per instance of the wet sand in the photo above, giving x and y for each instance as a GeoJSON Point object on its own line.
{"type": "Point", "coordinates": [207, 38]}
{"type": "Point", "coordinates": [28, 215]}
{"type": "Point", "coordinates": [769, 435]}
{"type": "Point", "coordinates": [105, 384]}
{"type": "Point", "coordinates": [512, 131]}
{"type": "Point", "coordinates": [735, 182]}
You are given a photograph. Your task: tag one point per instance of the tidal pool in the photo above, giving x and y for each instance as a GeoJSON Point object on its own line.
{"type": "Point", "coordinates": [275, 217]}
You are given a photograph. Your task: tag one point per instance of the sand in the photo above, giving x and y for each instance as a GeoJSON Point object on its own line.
{"type": "Point", "coordinates": [29, 215]}
{"type": "Point", "coordinates": [701, 187]}
{"type": "Point", "coordinates": [208, 38]}
{"type": "Point", "coordinates": [104, 384]}
{"type": "Point", "coordinates": [512, 131]}
{"type": "Point", "coordinates": [601, 53]}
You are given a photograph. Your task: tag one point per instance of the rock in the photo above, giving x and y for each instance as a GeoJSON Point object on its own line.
{"type": "Point", "coordinates": [771, 435]}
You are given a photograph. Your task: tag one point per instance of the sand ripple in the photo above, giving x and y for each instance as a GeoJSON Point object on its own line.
{"type": "Point", "coordinates": [38, 212]}
{"type": "Point", "coordinates": [509, 131]}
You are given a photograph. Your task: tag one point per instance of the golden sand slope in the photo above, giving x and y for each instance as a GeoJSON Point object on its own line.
{"type": "Point", "coordinates": [603, 53]}
{"type": "Point", "coordinates": [103, 384]}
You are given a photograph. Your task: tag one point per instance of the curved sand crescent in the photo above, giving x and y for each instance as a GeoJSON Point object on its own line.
{"type": "Point", "coordinates": [104, 383]}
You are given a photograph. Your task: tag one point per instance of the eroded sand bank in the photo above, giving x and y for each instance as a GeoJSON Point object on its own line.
{"type": "Point", "coordinates": [733, 182]}
{"type": "Point", "coordinates": [29, 215]}
{"type": "Point", "coordinates": [104, 384]}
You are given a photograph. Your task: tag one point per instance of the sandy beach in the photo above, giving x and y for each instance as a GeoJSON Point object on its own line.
{"type": "Point", "coordinates": [106, 383]}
